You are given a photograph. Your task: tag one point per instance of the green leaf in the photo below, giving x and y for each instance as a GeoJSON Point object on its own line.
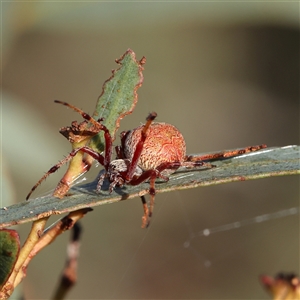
{"type": "Point", "coordinates": [264, 163]}
{"type": "Point", "coordinates": [119, 95]}
{"type": "Point", "coordinates": [9, 251]}
{"type": "Point", "coordinates": [118, 99]}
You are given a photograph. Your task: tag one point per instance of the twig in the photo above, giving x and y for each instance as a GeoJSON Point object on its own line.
{"type": "Point", "coordinates": [32, 239]}
{"type": "Point", "coordinates": [69, 276]}
{"type": "Point", "coordinates": [36, 241]}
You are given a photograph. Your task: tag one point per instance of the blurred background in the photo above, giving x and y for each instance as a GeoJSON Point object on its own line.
{"type": "Point", "coordinates": [226, 74]}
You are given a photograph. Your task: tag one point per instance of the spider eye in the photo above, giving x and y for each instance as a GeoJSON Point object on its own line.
{"type": "Point", "coordinates": [111, 167]}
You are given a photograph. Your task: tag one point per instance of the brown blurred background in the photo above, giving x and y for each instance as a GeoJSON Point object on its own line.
{"type": "Point", "coordinates": [226, 74]}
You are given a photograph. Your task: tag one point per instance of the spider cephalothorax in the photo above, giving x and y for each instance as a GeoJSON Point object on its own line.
{"type": "Point", "coordinates": [150, 151]}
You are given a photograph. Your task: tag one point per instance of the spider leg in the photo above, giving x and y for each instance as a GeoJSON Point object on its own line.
{"type": "Point", "coordinates": [139, 147]}
{"type": "Point", "coordinates": [99, 157]}
{"type": "Point", "coordinates": [190, 162]}
{"type": "Point", "coordinates": [225, 154]}
{"type": "Point", "coordinates": [145, 218]}
{"type": "Point", "coordinates": [152, 193]}
{"type": "Point", "coordinates": [106, 159]}
{"type": "Point", "coordinates": [80, 111]}
{"type": "Point", "coordinates": [148, 211]}
{"type": "Point", "coordinates": [50, 171]}
{"type": "Point", "coordinates": [152, 175]}
{"type": "Point", "coordinates": [107, 136]}
{"type": "Point", "coordinates": [198, 163]}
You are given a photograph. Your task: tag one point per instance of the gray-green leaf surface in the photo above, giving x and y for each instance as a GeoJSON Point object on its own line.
{"type": "Point", "coordinates": [264, 163]}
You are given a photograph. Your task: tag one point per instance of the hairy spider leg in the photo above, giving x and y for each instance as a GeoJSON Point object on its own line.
{"type": "Point", "coordinates": [139, 147]}
{"type": "Point", "coordinates": [146, 175]}
{"type": "Point", "coordinates": [145, 217]}
{"type": "Point", "coordinates": [156, 173]}
{"type": "Point", "coordinates": [120, 149]}
{"type": "Point", "coordinates": [225, 154]}
{"type": "Point", "coordinates": [80, 111]}
{"type": "Point", "coordinates": [99, 157]}
{"type": "Point", "coordinates": [103, 160]}
{"type": "Point", "coordinates": [152, 174]}
{"type": "Point", "coordinates": [51, 170]}
{"type": "Point", "coordinates": [107, 136]}
{"type": "Point", "coordinates": [190, 162]}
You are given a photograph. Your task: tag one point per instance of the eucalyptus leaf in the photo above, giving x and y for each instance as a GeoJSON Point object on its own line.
{"type": "Point", "coordinates": [264, 163]}
{"type": "Point", "coordinates": [119, 95]}
{"type": "Point", "coordinates": [118, 99]}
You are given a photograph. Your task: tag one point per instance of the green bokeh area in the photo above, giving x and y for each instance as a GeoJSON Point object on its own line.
{"type": "Point", "coordinates": [9, 250]}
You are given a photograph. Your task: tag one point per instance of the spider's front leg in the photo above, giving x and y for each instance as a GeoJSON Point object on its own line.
{"type": "Point", "coordinates": [99, 157]}
{"type": "Point", "coordinates": [133, 167]}
{"type": "Point", "coordinates": [139, 147]}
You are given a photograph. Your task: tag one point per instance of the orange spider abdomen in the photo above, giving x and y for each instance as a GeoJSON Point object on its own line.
{"type": "Point", "coordinates": [164, 143]}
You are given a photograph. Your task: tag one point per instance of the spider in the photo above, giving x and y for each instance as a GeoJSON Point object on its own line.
{"type": "Point", "coordinates": [152, 150]}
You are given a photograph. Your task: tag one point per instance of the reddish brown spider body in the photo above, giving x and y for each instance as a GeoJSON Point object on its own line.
{"type": "Point", "coordinates": [164, 144]}
{"type": "Point", "coordinates": [162, 152]}
{"type": "Point", "coordinates": [148, 152]}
